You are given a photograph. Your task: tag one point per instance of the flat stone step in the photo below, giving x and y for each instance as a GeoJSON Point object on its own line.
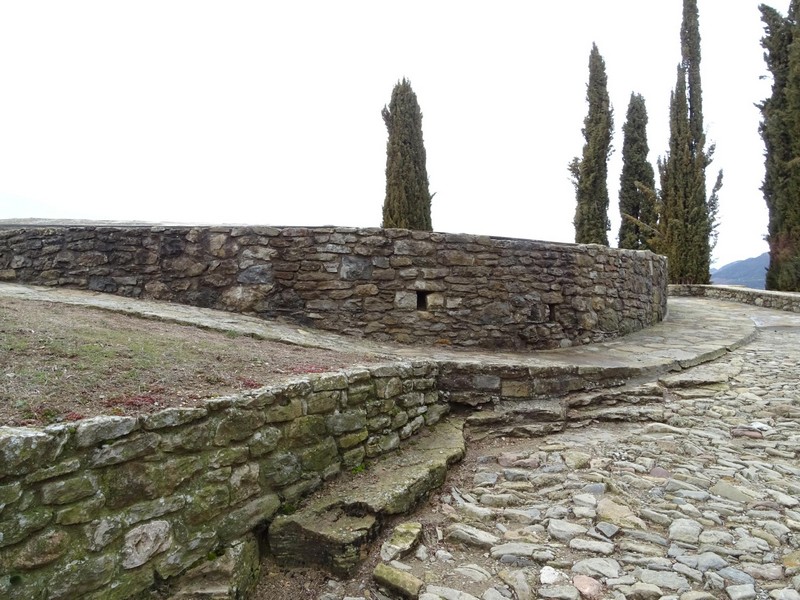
{"type": "Point", "coordinates": [334, 528]}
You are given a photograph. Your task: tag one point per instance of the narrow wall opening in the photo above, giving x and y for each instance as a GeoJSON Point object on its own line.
{"type": "Point", "coordinates": [422, 300]}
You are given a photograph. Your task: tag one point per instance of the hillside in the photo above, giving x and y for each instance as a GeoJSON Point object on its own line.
{"type": "Point", "coordinates": [750, 272]}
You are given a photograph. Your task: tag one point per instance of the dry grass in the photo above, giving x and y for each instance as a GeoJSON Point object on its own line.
{"type": "Point", "coordinates": [60, 362]}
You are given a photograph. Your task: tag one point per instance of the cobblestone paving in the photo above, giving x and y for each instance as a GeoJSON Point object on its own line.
{"type": "Point", "coordinates": [705, 504]}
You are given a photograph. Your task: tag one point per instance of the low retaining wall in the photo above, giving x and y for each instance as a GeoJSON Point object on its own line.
{"type": "Point", "coordinates": [103, 508]}
{"type": "Point", "coordinates": [786, 301]}
{"type": "Point", "coordinates": [106, 507]}
{"type": "Point", "coordinates": [389, 285]}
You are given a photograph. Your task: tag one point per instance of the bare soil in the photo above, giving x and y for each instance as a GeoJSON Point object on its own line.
{"type": "Point", "coordinates": [61, 362]}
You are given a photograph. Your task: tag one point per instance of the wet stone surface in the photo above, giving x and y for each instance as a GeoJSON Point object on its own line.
{"type": "Point", "coordinates": [704, 504]}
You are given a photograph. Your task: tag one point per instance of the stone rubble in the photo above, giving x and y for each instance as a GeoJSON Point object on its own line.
{"type": "Point", "coordinates": [704, 504]}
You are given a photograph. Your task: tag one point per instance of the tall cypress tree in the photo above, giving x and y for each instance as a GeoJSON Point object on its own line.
{"type": "Point", "coordinates": [589, 173]}
{"type": "Point", "coordinates": [636, 201]}
{"type": "Point", "coordinates": [690, 55]}
{"type": "Point", "coordinates": [676, 184]}
{"type": "Point", "coordinates": [408, 202]}
{"type": "Point", "coordinates": [687, 219]}
{"type": "Point", "coordinates": [780, 130]}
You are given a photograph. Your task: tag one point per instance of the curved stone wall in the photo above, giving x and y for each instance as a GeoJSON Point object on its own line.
{"type": "Point", "coordinates": [389, 285]}
{"type": "Point", "coordinates": [786, 301]}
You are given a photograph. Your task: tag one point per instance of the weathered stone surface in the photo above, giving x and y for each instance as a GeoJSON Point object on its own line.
{"type": "Point", "coordinates": [124, 450]}
{"type": "Point", "coordinates": [231, 575]}
{"type": "Point", "coordinates": [685, 530]}
{"type": "Point", "coordinates": [81, 576]}
{"type": "Point", "coordinates": [619, 514]}
{"type": "Point", "coordinates": [263, 441]}
{"type": "Point", "coordinates": [238, 425]}
{"type": "Point", "coordinates": [24, 450]}
{"type": "Point", "coordinates": [471, 536]}
{"type": "Point", "coordinates": [340, 423]}
{"type": "Point", "coordinates": [62, 468]}
{"type": "Point", "coordinates": [241, 520]}
{"type": "Point", "coordinates": [145, 541]}
{"type": "Point", "coordinates": [588, 587]}
{"type": "Point", "coordinates": [594, 567]}
{"type": "Point", "coordinates": [404, 537]}
{"type": "Point", "coordinates": [325, 532]}
{"type": "Point", "coordinates": [564, 530]}
{"type": "Point", "coordinates": [68, 490]}
{"type": "Point", "coordinates": [397, 581]}
{"type": "Point", "coordinates": [663, 579]}
{"type": "Point", "coordinates": [172, 417]}
{"type": "Point", "coordinates": [19, 525]}
{"type": "Point", "coordinates": [40, 550]}
{"type": "Point", "coordinates": [91, 432]}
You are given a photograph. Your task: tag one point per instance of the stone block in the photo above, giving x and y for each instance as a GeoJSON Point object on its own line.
{"type": "Point", "coordinates": [124, 450]}
{"type": "Point", "coordinates": [80, 577]}
{"type": "Point", "coordinates": [515, 389]}
{"type": "Point", "coordinates": [377, 445]}
{"type": "Point", "coordinates": [280, 469]}
{"type": "Point", "coordinates": [68, 490]}
{"type": "Point", "coordinates": [305, 430]}
{"type": "Point", "coordinates": [233, 574]}
{"type": "Point", "coordinates": [388, 387]}
{"type": "Point", "coordinates": [205, 503]}
{"type": "Point", "coordinates": [37, 551]}
{"type": "Point", "coordinates": [343, 422]}
{"type": "Point", "coordinates": [399, 582]}
{"type": "Point", "coordinates": [263, 441]}
{"type": "Point", "coordinates": [317, 457]}
{"type": "Point", "coordinates": [145, 541]}
{"type": "Point", "coordinates": [278, 413]}
{"type": "Point", "coordinates": [63, 468]}
{"type": "Point", "coordinates": [405, 300]}
{"type": "Point", "coordinates": [237, 425]}
{"type": "Point", "coordinates": [172, 417]}
{"type": "Point", "coordinates": [24, 450]}
{"type": "Point", "coordinates": [239, 521]}
{"type": "Point", "coordinates": [323, 402]}
{"type": "Point", "coordinates": [91, 432]}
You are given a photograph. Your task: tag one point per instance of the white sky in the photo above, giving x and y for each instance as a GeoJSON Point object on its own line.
{"type": "Point", "coordinates": [269, 112]}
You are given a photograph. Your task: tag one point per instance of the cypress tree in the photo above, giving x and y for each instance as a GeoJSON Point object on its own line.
{"type": "Point", "coordinates": [408, 202]}
{"type": "Point", "coordinates": [676, 186]}
{"type": "Point", "coordinates": [687, 219]}
{"type": "Point", "coordinates": [780, 130]}
{"type": "Point", "coordinates": [636, 201]}
{"type": "Point", "coordinates": [589, 173]}
{"type": "Point", "coordinates": [690, 55]}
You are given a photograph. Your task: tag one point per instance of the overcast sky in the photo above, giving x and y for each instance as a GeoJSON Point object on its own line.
{"type": "Point", "coordinates": [269, 112]}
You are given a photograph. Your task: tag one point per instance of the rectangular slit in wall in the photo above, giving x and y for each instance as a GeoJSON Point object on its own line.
{"type": "Point", "coordinates": [422, 300]}
{"type": "Point", "coordinates": [552, 310]}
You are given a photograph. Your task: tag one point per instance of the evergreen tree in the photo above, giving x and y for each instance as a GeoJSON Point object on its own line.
{"type": "Point", "coordinates": [408, 203]}
{"type": "Point", "coordinates": [589, 173]}
{"type": "Point", "coordinates": [690, 55]}
{"type": "Point", "coordinates": [687, 218]}
{"type": "Point", "coordinates": [780, 130]}
{"type": "Point", "coordinates": [636, 201]}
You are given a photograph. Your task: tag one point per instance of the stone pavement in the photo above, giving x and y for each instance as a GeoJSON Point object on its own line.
{"type": "Point", "coordinates": [702, 502]}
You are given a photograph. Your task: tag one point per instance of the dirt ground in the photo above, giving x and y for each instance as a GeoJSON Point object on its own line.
{"type": "Point", "coordinates": [61, 362]}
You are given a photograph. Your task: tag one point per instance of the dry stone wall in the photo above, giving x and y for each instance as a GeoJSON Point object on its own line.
{"type": "Point", "coordinates": [786, 301]}
{"type": "Point", "coordinates": [389, 285]}
{"type": "Point", "coordinates": [106, 507]}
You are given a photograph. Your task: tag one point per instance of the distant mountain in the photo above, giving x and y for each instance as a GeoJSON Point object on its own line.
{"type": "Point", "coordinates": [750, 272]}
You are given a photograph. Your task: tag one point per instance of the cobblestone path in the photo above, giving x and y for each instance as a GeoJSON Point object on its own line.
{"type": "Point", "coordinates": [703, 504]}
